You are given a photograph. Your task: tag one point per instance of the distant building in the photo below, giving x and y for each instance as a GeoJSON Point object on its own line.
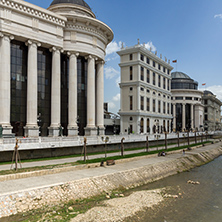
{"type": "Point", "coordinates": [145, 91]}
{"type": "Point", "coordinates": [187, 108]}
{"type": "Point", "coordinates": [212, 111]}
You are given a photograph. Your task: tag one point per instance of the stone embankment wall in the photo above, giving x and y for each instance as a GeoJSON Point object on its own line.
{"type": "Point", "coordinates": [47, 196]}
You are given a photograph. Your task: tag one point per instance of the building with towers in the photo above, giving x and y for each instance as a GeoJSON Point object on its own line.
{"type": "Point", "coordinates": [51, 68]}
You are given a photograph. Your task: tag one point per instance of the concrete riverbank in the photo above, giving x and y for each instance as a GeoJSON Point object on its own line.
{"type": "Point", "coordinates": [31, 193]}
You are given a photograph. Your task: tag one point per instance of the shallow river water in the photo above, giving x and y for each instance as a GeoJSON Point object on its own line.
{"type": "Point", "coordinates": [198, 203]}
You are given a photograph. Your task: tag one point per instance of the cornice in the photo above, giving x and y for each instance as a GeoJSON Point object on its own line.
{"type": "Point", "coordinates": [143, 114]}
{"type": "Point", "coordinates": [33, 11]}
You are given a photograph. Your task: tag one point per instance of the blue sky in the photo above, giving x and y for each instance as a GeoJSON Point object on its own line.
{"type": "Point", "coordinates": [187, 30]}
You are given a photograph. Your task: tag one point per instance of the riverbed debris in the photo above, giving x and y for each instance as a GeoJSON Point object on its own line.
{"type": "Point", "coordinates": [193, 182]}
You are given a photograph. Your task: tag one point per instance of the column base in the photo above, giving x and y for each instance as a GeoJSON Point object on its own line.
{"type": "Point", "coordinates": [6, 130]}
{"type": "Point", "coordinates": [31, 131]}
{"type": "Point", "coordinates": [91, 131]}
{"type": "Point", "coordinates": [53, 131]}
{"type": "Point", "coordinates": [102, 131]}
{"type": "Point", "coordinates": [73, 131]}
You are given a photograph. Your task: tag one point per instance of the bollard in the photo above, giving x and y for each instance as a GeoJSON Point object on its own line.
{"type": "Point", "coordinates": [147, 144]}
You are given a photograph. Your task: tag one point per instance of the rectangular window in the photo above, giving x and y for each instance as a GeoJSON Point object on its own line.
{"type": "Point", "coordinates": [131, 57]}
{"type": "Point", "coordinates": [154, 105]}
{"type": "Point", "coordinates": [159, 67]}
{"type": "Point", "coordinates": [131, 88]}
{"type": "Point", "coordinates": [168, 71]}
{"type": "Point", "coordinates": [142, 74]}
{"type": "Point", "coordinates": [142, 103]}
{"type": "Point", "coordinates": [147, 104]}
{"type": "Point", "coordinates": [179, 98]}
{"type": "Point", "coordinates": [168, 84]}
{"type": "Point", "coordinates": [154, 78]}
{"type": "Point", "coordinates": [168, 108]}
{"type": "Point", "coordinates": [159, 106]}
{"type": "Point", "coordinates": [148, 76]}
{"type": "Point", "coordinates": [206, 117]}
{"type": "Point", "coordinates": [205, 102]}
{"type": "Point", "coordinates": [154, 64]}
{"type": "Point", "coordinates": [164, 82]}
{"type": "Point", "coordinates": [131, 73]}
{"type": "Point", "coordinates": [159, 80]}
{"type": "Point", "coordinates": [205, 109]}
{"type": "Point", "coordinates": [164, 107]}
{"type": "Point", "coordinates": [164, 69]}
{"type": "Point", "coordinates": [147, 60]}
{"type": "Point", "coordinates": [142, 57]}
{"type": "Point", "coordinates": [131, 103]}
{"type": "Point", "coordinates": [188, 98]}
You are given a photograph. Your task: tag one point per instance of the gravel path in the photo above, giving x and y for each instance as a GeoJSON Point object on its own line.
{"type": "Point", "coordinates": [120, 208]}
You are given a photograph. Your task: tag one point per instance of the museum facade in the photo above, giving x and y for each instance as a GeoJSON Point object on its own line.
{"type": "Point", "coordinates": [51, 69]}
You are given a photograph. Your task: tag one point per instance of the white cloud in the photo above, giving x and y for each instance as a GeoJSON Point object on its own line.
{"type": "Point", "coordinates": [116, 98]}
{"type": "Point", "coordinates": [216, 90]}
{"type": "Point", "coordinates": [113, 47]}
{"type": "Point", "coordinates": [118, 81]}
{"type": "Point", "coordinates": [149, 45]}
{"type": "Point", "coordinates": [110, 72]}
{"type": "Point", "coordinates": [111, 105]}
{"type": "Point", "coordinates": [218, 16]}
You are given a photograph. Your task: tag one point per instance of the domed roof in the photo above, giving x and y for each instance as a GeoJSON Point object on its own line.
{"type": "Point", "coordinates": [76, 2]}
{"type": "Point", "coordinates": [206, 92]}
{"type": "Point", "coordinates": [179, 75]}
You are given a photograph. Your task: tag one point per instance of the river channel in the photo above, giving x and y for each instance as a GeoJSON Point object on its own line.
{"type": "Point", "coordinates": [195, 203]}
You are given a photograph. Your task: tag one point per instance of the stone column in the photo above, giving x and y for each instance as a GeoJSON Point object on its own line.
{"type": "Point", "coordinates": [72, 127]}
{"type": "Point", "coordinates": [191, 116]}
{"type": "Point", "coordinates": [174, 117]}
{"type": "Point", "coordinates": [5, 83]}
{"type": "Point", "coordinates": [100, 98]}
{"type": "Point", "coordinates": [138, 98]}
{"type": "Point", "coordinates": [55, 93]}
{"type": "Point", "coordinates": [31, 128]}
{"type": "Point", "coordinates": [90, 129]}
{"type": "Point", "coordinates": [184, 117]}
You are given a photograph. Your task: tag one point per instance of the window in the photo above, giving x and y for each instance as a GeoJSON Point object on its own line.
{"type": "Point", "coordinates": [142, 57]}
{"type": "Point", "coordinates": [131, 118]}
{"type": "Point", "coordinates": [141, 88]}
{"type": "Point", "coordinates": [147, 60]}
{"type": "Point", "coordinates": [147, 104]}
{"type": "Point", "coordinates": [148, 91]}
{"type": "Point", "coordinates": [131, 56]}
{"type": "Point", "coordinates": [131, 88]}
{"type": "Point", "coordinates": [154, 105]}
{"type": "Point", "coordinates": [206, 117]}
{"type": "Point", "coordinates": [154, 93]}
{"type": "Point", "coordinates": [159, 94]}
{"type": "Point", "coordinates": [159, 80]}
{"type": "Point", "coordinates": [179, 98]}
{"type": "Point", "coordinates": [131, 73]}
{"type": "Point", "coordinates": [205, 109]}
{"type": "Point", "coordinates": [159, 106]}
{"type": "Point", "coordinates": [148, 76]}
{"type": "Point", "coordinates": [205, 102]}
{"type": "Point", "coordinates": [196, 99]}
{"type": "Point", "coordinates": [159, 67]}
{"type": "Point", "coordinates": [131, 103]}
{"type": "Point", "coordinates": [168, 71]}
{"type": "Point", "coordinates": [154, 78]}
{"type": "Point", "coordinates": [164, 69]}
{"type": "Point", "coordinates": [164, 107]}
{"type": "Point", "coordinates": [164, 82]}
{"type": "Point", "coordinates": [168, 108]}
{"type": "Point", "coordinates": [142, 74]}
{"type": "Point", "coordinates": [142, 103]}
{"type": "Point", "coordinates": [154, 64]}
{"type": "Point", "coordinates": [188, 98]}
{"type": "Point", "coordinates": [168, 84]}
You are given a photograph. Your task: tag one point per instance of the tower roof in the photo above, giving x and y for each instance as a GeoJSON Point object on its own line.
{"type": "Point", "coordinates": [75, 2]}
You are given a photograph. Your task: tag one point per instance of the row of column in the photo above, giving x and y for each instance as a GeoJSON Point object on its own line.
{"type": "Point", "coordinates": [183, 116]}
{"type": "Point", "coordinates": [31, 128]}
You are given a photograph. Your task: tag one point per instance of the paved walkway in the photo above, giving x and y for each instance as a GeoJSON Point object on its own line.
{"type": "Point", "coordinates": [12, 186]}
{"type": "Point", "coordinates": [74, 159]}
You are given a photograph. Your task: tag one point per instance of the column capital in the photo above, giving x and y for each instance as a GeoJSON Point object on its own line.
{"type": "Point", "coordinates": [102, 62]}
{"type": "Point", "coordinates": [6, 36]}
{"type": "Point", "coordinates": [32, 42]}
{"type": "Point", "coordinates": [91, 57]}
{"type": "Point", "coordinates": [56, 49]}
{"type": "Point", "coordinates": [73, 54]}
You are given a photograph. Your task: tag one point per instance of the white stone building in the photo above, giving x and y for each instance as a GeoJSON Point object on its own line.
{"type": "Point", "coordinates": [212, 111]}
{"type": "Point", "coordinates": [187, 107]}
{"type": "Point", "coordinates": [145, 91]}
{"type": "Point", "coordinates": [51, 68]}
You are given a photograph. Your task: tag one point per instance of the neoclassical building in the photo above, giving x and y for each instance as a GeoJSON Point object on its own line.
{"type": "Point", "coordinates": [187, 107]}
{"type": "Point", "coordinates": [51, 68]}
{"type": "Point", "coordinates": [145, 91]}
{"type": "Point", "coordinates": [212, 111]}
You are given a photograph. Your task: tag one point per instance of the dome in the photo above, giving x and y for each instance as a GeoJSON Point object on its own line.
{"type": "Point", "coordinates": [206, 93]}
{"type": "Point", "coordinates": [75, 2]}
{"type": "Point", "coordinates": [179, 75]}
